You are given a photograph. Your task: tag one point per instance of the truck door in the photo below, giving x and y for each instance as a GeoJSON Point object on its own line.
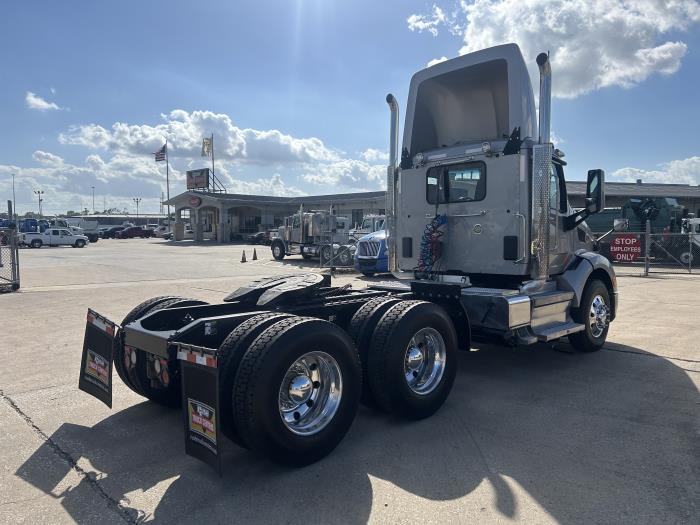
{"type": "Point", "coordinates": [65, 237]}
{"type": "Point", "coordinates": [296, 228]}
{"type": "Point", "coordinates": [54, 237]}
{"type": "Point", "coordinates": [560, 242]}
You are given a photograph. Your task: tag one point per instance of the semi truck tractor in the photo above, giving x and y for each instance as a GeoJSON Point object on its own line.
{"type": "Point", "coordinates": [314, 234]}
{"type": "Point", "coordinates": [482, 242]}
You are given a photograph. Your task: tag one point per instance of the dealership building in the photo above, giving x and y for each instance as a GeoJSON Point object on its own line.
{"type": "Point", "coordinates": [223, 216]}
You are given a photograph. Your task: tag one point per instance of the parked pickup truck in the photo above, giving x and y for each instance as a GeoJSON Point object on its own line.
{"type": "Point", "coordinates": [53, 237]}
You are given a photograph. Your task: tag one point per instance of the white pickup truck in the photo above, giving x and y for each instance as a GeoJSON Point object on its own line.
{"type": "Point", "coordinates": [53, 237]}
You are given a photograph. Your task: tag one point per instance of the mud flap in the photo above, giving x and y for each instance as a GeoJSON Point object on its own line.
{"type": "Point", "coordinates": [96, 364]}
{"type": "Point", "coordinates": [200, 403]}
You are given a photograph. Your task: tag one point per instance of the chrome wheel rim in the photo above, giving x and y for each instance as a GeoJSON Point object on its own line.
{"type": "Point", "coordinates": [310, 393]}
{"type": "Point", "coordinates": [277, 251]}
{"type": "Point", "coordinates": [599, 316]}
{"type": "Point", "coordinates": [424, 361]}
{"type": "Point", "coordinates": [686, 257]}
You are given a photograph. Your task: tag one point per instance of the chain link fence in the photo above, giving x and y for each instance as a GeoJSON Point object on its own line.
{"type": "Point", "coordinates": [644, 252]}
{"type": "Point", "coordinates": [9, 260]}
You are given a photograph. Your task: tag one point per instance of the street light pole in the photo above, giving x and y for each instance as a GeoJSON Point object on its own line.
{"type": "Point", "coordinates": [39, 193]}
{"type": "Point", "coordinates": [93, 200]}
{"type": "Point", "coordinates": [14, 200]}
{"type": "Point", "coordinates": [137, 200]}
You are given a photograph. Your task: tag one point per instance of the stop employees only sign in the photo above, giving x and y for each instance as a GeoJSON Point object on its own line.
{"type": "Point", "coordinates": [626, 247]}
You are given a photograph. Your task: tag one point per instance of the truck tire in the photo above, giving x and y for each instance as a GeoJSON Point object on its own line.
{"type": "Point", "coordinates": [594, 313]}
{"type": "Point", "coordinates": [230, 354]}
{"type": "Point", "coordinates": [325, 254]}
{"type": "Point", "coordinates": [170, 395]}
{"type": "Point", "coordinates": [360, 330]}
{"type": "Point", "coordinates": [412, 361]}
{"type": "Point", "coordinates": [344, 257]}
{"type": "Point", "coordinates": [137, 312]}
{"type": "Point", "coordinates": [297, 390]}
{"type": "Point", "coordinates": [80, 243]}
{"type": "Point", "coordinates": [36, 243]}
{"type": "Point", "coordinates": [278, 250]}
{"type": "Point", "coordinates": [368, 274]}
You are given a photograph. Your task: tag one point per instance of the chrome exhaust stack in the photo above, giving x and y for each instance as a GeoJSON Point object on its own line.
{"type": "Point", "coordinates": [541, 166]}
{"type": "Point", "coordinates": [391, 176]}
{"type": "Point", "coordinates": [545, 110]}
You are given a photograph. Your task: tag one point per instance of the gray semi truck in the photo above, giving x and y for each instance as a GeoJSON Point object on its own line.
{"type": "Point", "coordinates": [483, 244]}
{"type": "Point", "coordinates": [310, 234]}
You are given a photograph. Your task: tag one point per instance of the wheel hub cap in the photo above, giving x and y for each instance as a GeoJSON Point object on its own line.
{"type": "Point", "coordinates": [424, 361]}
{"type": "Point", "coordinates": [599, 316]}
{"type": "Point", "coordinates": [300, 389]}
{"type": "Point", "coordinates": [310, 393]}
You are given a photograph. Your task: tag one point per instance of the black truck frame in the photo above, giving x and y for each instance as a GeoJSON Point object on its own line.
{"type": "Point", "coordinates": [281, 365]}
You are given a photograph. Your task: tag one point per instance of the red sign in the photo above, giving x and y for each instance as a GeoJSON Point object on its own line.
{"type": "Point", "coordinates": [195, 201]}
{"type": "Point", "coordinates": [625, 247]}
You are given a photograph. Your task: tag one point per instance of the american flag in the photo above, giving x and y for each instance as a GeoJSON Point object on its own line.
{"type": "Point", "coordinates": [160, 154]}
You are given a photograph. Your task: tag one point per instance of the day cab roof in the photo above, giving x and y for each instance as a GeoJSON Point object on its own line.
{"type": "Point", "coordinates": [477, 97]}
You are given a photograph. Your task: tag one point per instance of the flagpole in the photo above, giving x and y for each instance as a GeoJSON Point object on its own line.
{"type": "Point", "coordinates": [167, 183]}
{"type": "Point", "coordinates": [213, 177]}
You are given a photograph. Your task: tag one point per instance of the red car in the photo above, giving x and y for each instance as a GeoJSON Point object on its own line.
{"type": "Point", "coordinates": [134, 231]}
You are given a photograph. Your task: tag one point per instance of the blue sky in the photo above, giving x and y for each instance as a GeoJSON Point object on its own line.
{"type": "Point", "coordinates": [294, 90]}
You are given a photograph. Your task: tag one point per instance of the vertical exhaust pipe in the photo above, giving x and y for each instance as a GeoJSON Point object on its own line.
{"type": "Point", "coordinates": [545, 97]}
{"type": "Point", "coordinates": [391, 175]}
{"type": "Point", "coordinates": [541, 166]}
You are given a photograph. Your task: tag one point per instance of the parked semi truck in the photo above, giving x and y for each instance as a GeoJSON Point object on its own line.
{"type": "Point", "coordinates": [482, 241]}
{"type": "Point", "coordinates": [314, 234]}
{"type": "Point", "coordinates": [371, 254]}
{"type": "Point", "coordinates": [370, 223]}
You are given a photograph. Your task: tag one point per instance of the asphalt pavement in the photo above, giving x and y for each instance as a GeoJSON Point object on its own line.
{"type": "Point", "coordinates": [538, 434]}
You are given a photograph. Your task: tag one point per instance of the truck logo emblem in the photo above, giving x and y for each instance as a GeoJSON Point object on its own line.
{"type": "Point", "coordinates": [477, 229]}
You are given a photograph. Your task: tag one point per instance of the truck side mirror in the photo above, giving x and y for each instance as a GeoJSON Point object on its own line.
{"type": "Point", "coordinates": [595, 191]}
{"type": "Point", "coordinates": [620, 225]}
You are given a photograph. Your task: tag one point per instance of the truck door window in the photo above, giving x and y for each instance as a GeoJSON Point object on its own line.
{"type": "Point", "coordinates": [553, 188]}
{"type": "Point", "coordinates": [464, 183]}
{"type": "Point", "coordinates": [563, 196]}
{"type": "Point", "coordinates": [54, 232]}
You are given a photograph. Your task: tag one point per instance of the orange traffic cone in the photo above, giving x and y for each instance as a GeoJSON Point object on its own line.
{"type": "Point", "coordinates": [255, 255]}
{"type": "Point", "coordinates": [243, 259]}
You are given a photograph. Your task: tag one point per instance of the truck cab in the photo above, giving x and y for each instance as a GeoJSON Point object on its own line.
{"type": "Point", "coordinates": [478, 196]}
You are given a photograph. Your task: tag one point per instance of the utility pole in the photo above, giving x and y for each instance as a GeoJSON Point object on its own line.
{"type": "Point", "coordinates": [39, 193]}
{"type": "Point", "coordinates": [104, 204]}
{"type": "Point", "coordinates": [14, 200]}
{"type": "Point", "coordinates": [93, 199]}
{"type": "Point", "coordinates": [137, 200]}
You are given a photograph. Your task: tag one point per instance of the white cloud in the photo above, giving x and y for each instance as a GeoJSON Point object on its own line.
{"type": "Point", "coordinates": [355, 174]}
{"type": "Point", "coordinates": [184, 131]}
{"type": "Point", "coordinates": [685, 171]}
{"type": "Point", "coordinates": [119, 162]}
{"type": "Point", "coordinates": [435, 61]}
{"type": "Point", "coordinates": [592, 44]}
{"type": "Point", "coordinates": [34, 101]}
{"type": "Point", "coordinates": [44, 157]}
{"type": "Point", "coordinates": [375, 155]}
{"type": "Point", "coordinates": [274, 186]}
{"type": "Point", "coordinates": [429, 23]}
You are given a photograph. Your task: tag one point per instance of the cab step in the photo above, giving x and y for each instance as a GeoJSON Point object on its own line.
{"type": "Point", "coordinates": [551, 332]}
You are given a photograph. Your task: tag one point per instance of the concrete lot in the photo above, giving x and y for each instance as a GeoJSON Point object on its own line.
{"type": "Point", "coordinates": [535, 434]}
